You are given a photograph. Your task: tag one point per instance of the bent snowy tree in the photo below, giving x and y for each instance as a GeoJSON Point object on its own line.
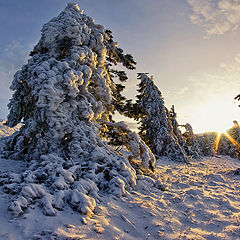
{"type": "Point", "coordinates": [155, 125]}
{"type": "Point", "coordinates": [59, 96]}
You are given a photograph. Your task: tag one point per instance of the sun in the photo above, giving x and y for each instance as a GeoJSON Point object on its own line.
{"type": "Point", "coordinates": [220, 132]}
{"type": "Point", "coordinates": [223, 132]}
{"type": "Point", "coordinates": [217, 140]}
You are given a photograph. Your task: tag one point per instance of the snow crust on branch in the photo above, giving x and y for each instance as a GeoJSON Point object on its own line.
{"type": "Point", "coordinates": [135, 145]}
{"type": "Point", "coordinates": [58, 95]}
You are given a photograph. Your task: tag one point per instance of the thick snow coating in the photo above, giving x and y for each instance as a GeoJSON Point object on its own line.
{"type": "Point", "coordinates": [156, 128]}
{"type": "Point", "coordinates": [59, 95]}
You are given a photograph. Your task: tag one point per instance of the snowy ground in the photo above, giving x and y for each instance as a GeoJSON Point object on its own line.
{"type": "Point", "coordinates": [202, 201]}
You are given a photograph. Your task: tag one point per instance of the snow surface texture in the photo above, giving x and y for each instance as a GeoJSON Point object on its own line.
{"type": "Point", "coordinates": [156, 127]}
{"type": "Point", "coordinates": [60, 94]}
{"type": "Point", "coordinates": [201, 201]}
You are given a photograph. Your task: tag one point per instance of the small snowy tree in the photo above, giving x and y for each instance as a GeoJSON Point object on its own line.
{"type": "Point", "coordinates": [207, 142]}
{"type": "Point", "coordinates": [191, 144]}
{"type": "Point", "coordinates": [155, 126]}
{"type": "Point", "coordinates": [175, 126]}
{"type": "Point", "coordinates": [136, 146]}
{"type": "Point", "coordinates": [60, 95]}
{"type": "Point", "coordinates": [229, 143]}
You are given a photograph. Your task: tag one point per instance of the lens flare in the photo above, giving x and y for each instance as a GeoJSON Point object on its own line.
{"type": "Point", "coordinates": [218, 138]}
{"type": "Point", "coordinates": [233, 141]}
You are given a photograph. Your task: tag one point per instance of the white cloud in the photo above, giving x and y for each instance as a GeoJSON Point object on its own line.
{"type": "Point", "coordinates": [182, 90]}
{"type": "Point", "coordinates": [216, 16]}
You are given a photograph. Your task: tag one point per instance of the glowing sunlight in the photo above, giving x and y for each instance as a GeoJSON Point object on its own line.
{"type": "Point", "coordinates": [211, 114]}
{"type": "Point", "coordinates": [233, 141]}
{"type": "Point", "coordinates": [218, 138]}
{"type": "Point", "coordinates": [216, 144]}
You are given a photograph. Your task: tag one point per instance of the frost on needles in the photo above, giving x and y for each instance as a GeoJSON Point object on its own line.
{"type": "Point", "coordinates": [61, 96]}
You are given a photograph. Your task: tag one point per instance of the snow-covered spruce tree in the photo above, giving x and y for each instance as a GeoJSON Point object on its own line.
{"type": "Point", "coordinates": [207, 143]}
{"type": "Point", "coordinates": [155, 126]}
{"type": "Point", "coordinates": [191, 145]}
{"type": "Point", "coordinates": [229, 143]}
{"type": "Point", "coordinates": [127, 61]}
{"type": "Point", "coordinates": [60, 95]}
{"type": "Point", "coordinates": [175, 126]}
{"type": "Point", "coordinates": [235, 146]}
{"type": "Point", "coordinates": [188, 140]}
{"type": "Point", "coordinates": [223, 146]}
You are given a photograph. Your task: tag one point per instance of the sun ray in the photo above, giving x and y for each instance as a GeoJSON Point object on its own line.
{"type": "Point", "coordinates": [233, 141]}
{"type": "Point", "coordinates": [218, 138]}
{"type": "Point", "coordinates": [216, 143]}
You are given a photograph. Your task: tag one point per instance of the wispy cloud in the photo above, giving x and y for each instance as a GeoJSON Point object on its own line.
{"type": "Point", "coordinates": [224, 79]}
{"type": "Point", "coordinates": [182, 90]}
{"type": "Point", "coordinates": [216, 16]}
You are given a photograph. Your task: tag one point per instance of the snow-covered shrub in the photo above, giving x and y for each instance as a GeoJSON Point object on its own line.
{"type": "Point", "coordinates": [59, 96]}
{"type": "Point", "coordinates": [134, 144]}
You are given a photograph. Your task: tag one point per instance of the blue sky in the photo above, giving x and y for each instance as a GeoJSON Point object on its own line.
{"type": "Point", "coordinates": [191, 47]}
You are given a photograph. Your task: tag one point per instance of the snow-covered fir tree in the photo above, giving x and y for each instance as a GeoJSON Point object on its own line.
{"type": "Point", "coordinates": [207, 143]}
{"type": "Point", "coordinates": [60, 96]}
{"type": "Point", "coordinates": [229, 143]}
{"type": "Point", "coordinates": [191, 144]}
{"type": "Point", "coordinates": [235, 133]}
{"type": "Point", "coordinates": [155, 126]}
{"type": "Point", "coordinates": [187, 140]}
{"type": "Point", "coordinates": [175, 126]}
